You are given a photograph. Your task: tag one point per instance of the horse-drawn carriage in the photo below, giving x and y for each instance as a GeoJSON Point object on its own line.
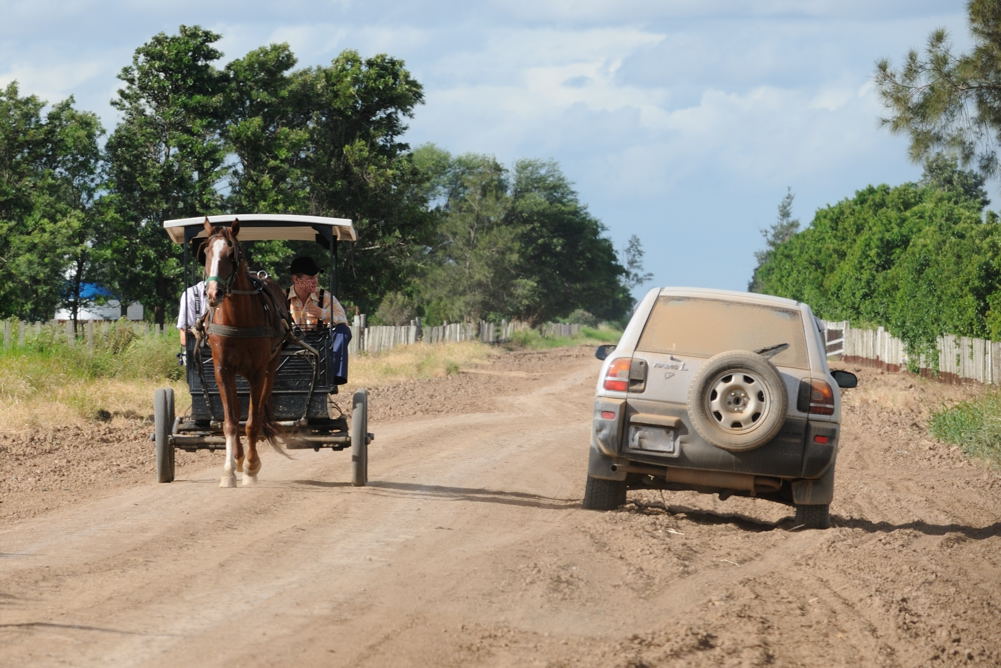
{"type": "Point", "coordinates": [294, 369]}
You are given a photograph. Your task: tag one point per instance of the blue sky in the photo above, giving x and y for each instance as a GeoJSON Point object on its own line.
{"type": "Point", "coordinates": [680, 121]}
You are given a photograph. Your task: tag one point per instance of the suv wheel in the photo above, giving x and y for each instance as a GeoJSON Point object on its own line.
{"type": "Point", "coordinates": [737, 401]}
{"type": "Point", "coordinates": [813, 517]}
{"type": "Point", "coordinates": [601, 494]}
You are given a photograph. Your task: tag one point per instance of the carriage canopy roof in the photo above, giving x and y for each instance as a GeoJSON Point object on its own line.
{"type": "Point", "coordinates": [266, 227]}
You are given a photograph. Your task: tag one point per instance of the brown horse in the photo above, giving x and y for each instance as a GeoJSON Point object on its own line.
{"type": "Point", "coordinates": [246, 327]}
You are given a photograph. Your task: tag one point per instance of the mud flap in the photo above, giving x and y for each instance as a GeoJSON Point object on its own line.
{"type": "Point", "coordinates": [814, 492]}
{"type": "Point", "coordinates": [600, 465]}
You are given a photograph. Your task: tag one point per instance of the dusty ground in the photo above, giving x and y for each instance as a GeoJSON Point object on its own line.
{"type": "Point", "coordinates": [469, 546]}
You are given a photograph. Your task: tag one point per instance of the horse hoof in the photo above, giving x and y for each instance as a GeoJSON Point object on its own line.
{"type": "Point", "coordinates": [249, 480]}
{"type": "Point", "coordinates": [227, 481]}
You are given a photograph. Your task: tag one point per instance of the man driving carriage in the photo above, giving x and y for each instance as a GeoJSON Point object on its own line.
{"type": "Point", "coordinates": [311, 306]}
{"type": "Point", "coordinates": [308, 304]}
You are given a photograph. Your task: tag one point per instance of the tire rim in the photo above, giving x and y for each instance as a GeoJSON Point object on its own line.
{"type": "Point", "coordinates": [737, 401]}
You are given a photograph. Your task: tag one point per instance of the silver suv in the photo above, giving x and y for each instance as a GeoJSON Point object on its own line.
{"type": "Point", "coordinates": [721, 392]}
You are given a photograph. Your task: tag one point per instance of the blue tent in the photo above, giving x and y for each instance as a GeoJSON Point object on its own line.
{"type": "Point", "coordinates": [93, 290]}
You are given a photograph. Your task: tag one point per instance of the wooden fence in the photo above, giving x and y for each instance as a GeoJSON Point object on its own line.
{"type": "Point", "coordinates": [377, 338]}
{"type": "Point", "coordinates": [959, 357]}
{"type": "Point", "coordinates": [14, 333]}
{"type": "Point", "coordinates": [365, 338]}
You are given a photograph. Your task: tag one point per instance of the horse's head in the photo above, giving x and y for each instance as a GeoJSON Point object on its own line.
{"type": "Point", "coordinates": [222, 260]}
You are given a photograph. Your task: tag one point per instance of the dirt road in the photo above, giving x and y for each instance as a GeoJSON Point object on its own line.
{"type": "Point", "coordinates": [469, 548]}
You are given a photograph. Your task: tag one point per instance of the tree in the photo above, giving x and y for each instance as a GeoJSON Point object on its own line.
{"type": "Point", "coordinates": [358, 167]}
{"type": "Point", "coordinates": [472, 269]}
{"type": "Point", "coordinates": [565, 255]}
{"type": "Point", "coordinates": [943, 172]}
{"type": "Point", "coordinates": [267, 129]}
{"type": "Point", "coordinates": [48, 177]}
{"type": "Point", "coordinates": [781, 231]}
{"type": "Point", "coordinates": [634, 275]}
{"type": "Point", "coordinates": [950, 103]}
{"type": "Point", "coordinates": [76, 165]}
{"type": "Point", "coordinates": [918, 259]}
{"type": "Point", "coordinates": [166, 159]}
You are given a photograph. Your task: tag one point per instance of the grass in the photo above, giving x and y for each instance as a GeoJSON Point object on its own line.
{"type": "Point", "coordinates": [46, 381]}
{"type": "Point", "coordinates": [531, 338]}
{"type": "Point", "coordinates": [419, 360]}
{"type": "Point", "coordinates": [974, 425]}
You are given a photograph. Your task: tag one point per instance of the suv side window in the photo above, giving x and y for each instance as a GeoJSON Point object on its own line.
{"type": "Point", "coordinates": [704, 327]}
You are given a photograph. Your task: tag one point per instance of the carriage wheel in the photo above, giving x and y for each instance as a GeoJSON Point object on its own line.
{"type": "Point", "coordinates": [163, 423]}
{"type": "Point", "coordinates": [359, 437]}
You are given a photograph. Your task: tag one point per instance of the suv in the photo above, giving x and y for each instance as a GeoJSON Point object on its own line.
{"type": "Point", "coordinates": [720, 392]}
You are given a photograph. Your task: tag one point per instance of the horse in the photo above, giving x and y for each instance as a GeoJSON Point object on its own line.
{"type": "Point", "coordinates": [246, 326]}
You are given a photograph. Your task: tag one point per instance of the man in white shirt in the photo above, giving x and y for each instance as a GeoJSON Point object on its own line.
{"type": "Point", "coordinates": [193, 305]}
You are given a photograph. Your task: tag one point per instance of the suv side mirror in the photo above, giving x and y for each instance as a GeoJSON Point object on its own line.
{"type": "Point", "coordinates": [604, 350]}
{"type": "Point", "coordinates": [845, 379]}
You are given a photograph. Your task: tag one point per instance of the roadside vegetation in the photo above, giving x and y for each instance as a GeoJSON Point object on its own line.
{"type": "Point", "coordinates": [44, 380]}
{"type": "Point", "coordinates": [441, 237]}
{"type": "Point", "coordinates": [974, 425]}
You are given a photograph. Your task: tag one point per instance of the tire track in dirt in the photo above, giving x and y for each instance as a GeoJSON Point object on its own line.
{"type": "Point", "coordinates": [469, 548]}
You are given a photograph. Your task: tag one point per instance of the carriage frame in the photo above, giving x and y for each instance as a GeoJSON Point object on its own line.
{"type": "Point", "coordinates": [301, 391]}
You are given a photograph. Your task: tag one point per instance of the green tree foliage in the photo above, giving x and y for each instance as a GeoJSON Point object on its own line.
{"type": "Point", "coordinates": [471, 271]}
{"type": "Point", "coordinates": [166, 159]}
{"type": "Point", "coordinates": [635, 274]}
{"type": "Point", "coordinates": [950, 103]}
{"type": "Point", "coordinates": [566, 255]}
{"type": "Point", "coordinates": [49, 166]}
{"type": "Point", "coordinates": [919, 259]}
{"type": "Point", "coordinates": [446, 238]}
{"type": "Point", "coordinates": [359, 168]}
{"type": "Point", "coordinates": [514, 244]}
{"type": "Point", "coordinates": [776, 235]}
{"type": "Point", "coordinates": [261, 136]}
{"type": "Point", "coordinates": [267, 130]}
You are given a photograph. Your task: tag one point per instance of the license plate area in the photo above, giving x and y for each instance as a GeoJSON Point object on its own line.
{"type": "Point", "coordinates": [654, 439]}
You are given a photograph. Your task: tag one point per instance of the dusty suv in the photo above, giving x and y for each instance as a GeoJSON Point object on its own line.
{"type": "Point", "coordinates": [721, 392]}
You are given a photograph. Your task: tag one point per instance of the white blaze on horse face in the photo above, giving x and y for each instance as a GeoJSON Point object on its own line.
{"type": "Point", "coordinates": [211, 286]}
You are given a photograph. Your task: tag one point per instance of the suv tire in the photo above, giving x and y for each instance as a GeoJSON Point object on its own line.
{"type": "Point", "coordinates": [813, 517]}
{"type": "Point", "coordinates": [601, 494]}
{"type": "Point", "coordinates": [737, 401]}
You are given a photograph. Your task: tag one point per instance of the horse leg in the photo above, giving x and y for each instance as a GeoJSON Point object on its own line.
{"type": "Point", "coordinates": [255, 411]}
{"type": "Point", "coordinates": [231, 426]}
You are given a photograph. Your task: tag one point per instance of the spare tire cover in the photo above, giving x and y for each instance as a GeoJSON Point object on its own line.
{"type": "Point", "coordinates": [737, 401]}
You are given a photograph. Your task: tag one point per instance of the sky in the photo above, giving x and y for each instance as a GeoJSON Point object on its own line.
{"type": "Point", "coordinates": [682, 122]}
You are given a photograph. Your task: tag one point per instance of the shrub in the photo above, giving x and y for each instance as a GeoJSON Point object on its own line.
{"type": "Point", "coordinates": [975, 426]}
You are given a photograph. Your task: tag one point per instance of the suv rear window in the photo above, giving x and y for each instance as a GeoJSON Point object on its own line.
{"type": "Point", "coordinates": [705, 327]}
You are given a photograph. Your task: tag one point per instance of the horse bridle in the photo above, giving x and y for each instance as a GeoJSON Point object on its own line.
{"type": "Point", "coordinates": [258, 283]}
{"type": "Point", "coordinates": [236, 257]}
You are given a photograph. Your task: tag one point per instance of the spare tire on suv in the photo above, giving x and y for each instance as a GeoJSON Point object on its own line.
{"type": "Point", "coordinates": [737, 401]}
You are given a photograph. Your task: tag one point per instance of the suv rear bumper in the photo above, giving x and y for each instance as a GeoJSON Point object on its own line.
{"type": "Point", "coordinates": [802, 450]}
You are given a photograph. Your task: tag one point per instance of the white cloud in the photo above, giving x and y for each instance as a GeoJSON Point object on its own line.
{"type": "Point", "coordinates": [53, 83]}
{"type": "Point", "coordinates": [642, 11]}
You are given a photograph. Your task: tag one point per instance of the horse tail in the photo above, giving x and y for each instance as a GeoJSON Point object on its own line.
{"type": "Point", "coordinates": [271, 430]}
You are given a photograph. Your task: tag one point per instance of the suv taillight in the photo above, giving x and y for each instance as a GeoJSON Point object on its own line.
{"type": "Point", "coordinates": [815, 396]}
{"type": "Point", "coordinates": [626, 375]}
{"type": "Point", "coordinates": [617, 376]}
